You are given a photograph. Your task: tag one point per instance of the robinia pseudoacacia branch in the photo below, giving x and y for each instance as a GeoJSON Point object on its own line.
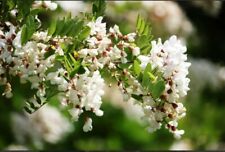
{"type": "Point", "coordinates": [72, 58]}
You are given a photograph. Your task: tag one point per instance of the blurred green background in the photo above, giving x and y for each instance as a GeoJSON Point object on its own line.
{"type": "Point", "coordinates": [199, 24]}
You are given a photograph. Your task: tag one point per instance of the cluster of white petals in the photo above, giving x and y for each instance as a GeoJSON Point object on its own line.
{"type": "Point", "coordinates": [83, 93]}
{"type": "Point", "coordinates": [50, 124]}
{"type": "Point", "coordinates": [169, 58]}
{"type": "Point", "coordinates": [102, 50]}
{"type": "Point", "coordinates": [30, 63]}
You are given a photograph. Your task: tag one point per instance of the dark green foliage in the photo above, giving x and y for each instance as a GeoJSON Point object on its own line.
{"type": "Point", "coordinates": [98, 8]}
{"type": "Point", "coordinates": [66, 27]}
{"type": "Point", "coordinates": [28, 29]}
{"type": "Point", "coordinates": [7, 5]}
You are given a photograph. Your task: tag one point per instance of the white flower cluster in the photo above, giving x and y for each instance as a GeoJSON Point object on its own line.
{"type": "Point", "coordinates": [50, 124]}
{"type": "Point", "coordinates": [82, 92]}
{"type": "Point", "coordinates": [168, 58]}
{"type": "Point", "coordinates": [46, 124]}
{"type": "Point", "coordinates": [30, 64]}
{"type": "Point", "coordinates": [102, 50]}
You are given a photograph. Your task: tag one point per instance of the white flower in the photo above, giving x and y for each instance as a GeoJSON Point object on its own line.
{"type": "Point", "coordinates": [93, 52]}
{"type": "Point", "coordinates": [46, 4]}
{"type": "Point", "coordinates": [12, 30]}
{"type": "Point", "coordinates": [115, 30]}
{"type": "Point", "coordinates": [181, 110]}
{"type": "Point", "coordinates": [8, 91]}
{"type": "Point", "coordinates": [41, 36]}
{"type": "Point", "coordinates": [104, 43]}
{"type": "Point", "coordinates": [98, 28]}
{"type": "Point", "coordinates": [178, 133]}
{"type": "Point", "coordinates": [92, 42]}
{"type": "Point", "coordinates": [136, 51]}
{"type": "Point", "coordinates": [58, 79]}
{"type": "Point", "coordinates": [50, 123]}
{"type": "Point", "coordinates": [131, 37]}
{"type": "Point", "coordinates": [83, 52]}
{"type": "Point", "coordinates": [144, 61]}
{"type": "Point", "coordinates": [51, 5]}
{"type": "Point", "coordinates": [16, 147]}
{"type": "Point", "coordinates": [17, 41]}
{"type": "Point", "coordinates": [75, 113]}
{"type": "Point", "coordinates": [93, 90]}
{"type": "Point", "coordinates": [115, 53]}
{"type": "Point", "coordinates": [88, 125]}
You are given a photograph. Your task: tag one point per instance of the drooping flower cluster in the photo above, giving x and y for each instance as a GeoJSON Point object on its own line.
{"type": "Point", "coordinates": [83, 92]}
{"type": "Point", "coordinates": [169, 58]}
{"type": "Point", "coordinates": [36, 62]}
{"type": "Point", "coordinates": [30, 63]}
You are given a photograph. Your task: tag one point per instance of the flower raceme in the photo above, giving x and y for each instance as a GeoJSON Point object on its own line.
{"type": "Point", "coordinates": [157, 80]}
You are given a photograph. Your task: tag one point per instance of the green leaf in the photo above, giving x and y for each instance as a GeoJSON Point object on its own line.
{"type": "Point", "coordinates": [142, 27]}
{"type": "Point", "coordinates": [28, 29]}
{"type": "Point", "coordinates": [151, 76]}
{"type": "Point", "coordinates": [124, 65]}
{"type": "Point", "coordinates": [68, 27]}
{"type": "Point", "coordinates": [27, 110]}
{"type": "Point", "coordinates": [52, 28]}
{"type": "Point", "coordinates": [51, 91]}
{"type": "Point", "coordinates": [24, 34]}
{"type": "Point", "coordinates": [24, 8]}
{"type": "Point", "coordinates": [136, 68]}
{"type": "Point", "coordinates": [137, 97]}
{"type": "Point", "coordinates": [146, 49]}
{"type": "Point", "coordinates": [49, 53]}
{"type": "Point", "coordinates": [158, 89]}
{"type": "Point", "coordinates": [59, 27]}
{"type": "Point", "coordinates": [38, 100]}
{"type": "Point", "coordinates": [84, 33]}
{"type": "Point", "coordinates": [81, 70]}
{"type": "Point", "coordinates": [145, 79]}
{"type": "Point", "coordinates": [144, 35]}
{"type": "Point", "coordinates": [72, 58]}
{"type": "Point", "coordinates": [138, 23]}
{"type": "Point", "coordinates": [77, 28]}
{"type": "Point", "coordinates": [67, 64]}
{"type": "Point", "coordinates": [98, 8]}
{"type": "Point", "coordinates": [59, 58]}
{"type": "Point", "coordinates": [11, 4]}
{"type": "Point", "coordinates": [32, 105]}
{"type": "Point", "coordinates": [142, 41]}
